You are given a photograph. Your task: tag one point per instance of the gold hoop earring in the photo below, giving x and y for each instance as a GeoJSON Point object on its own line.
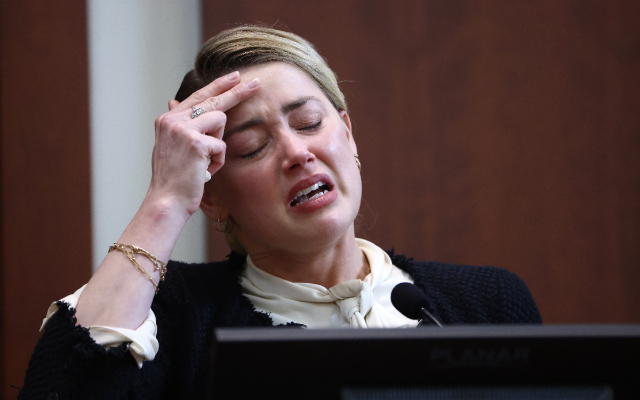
{"type": "Point", "coordinates": [358, 162]}
{"type": "Point", "coordinates": [224, 226]}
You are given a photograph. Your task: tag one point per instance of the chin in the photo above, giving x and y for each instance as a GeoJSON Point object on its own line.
{"type": "Point", "coordinates": [323, 232]}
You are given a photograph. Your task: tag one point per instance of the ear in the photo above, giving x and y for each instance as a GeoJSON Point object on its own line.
{"type": "Point", "coordinates": [211, 205]}
{"type": "Point", "coordinates": [347, 123]}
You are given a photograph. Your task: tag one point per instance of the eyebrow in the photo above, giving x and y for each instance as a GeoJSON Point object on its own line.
{"type": "Point", "coordinates": [249, 124]}
{"type": "Point", "coordinates": [285, 109]}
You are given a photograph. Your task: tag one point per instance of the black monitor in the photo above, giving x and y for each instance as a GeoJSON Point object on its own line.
{"type": "Point", "coordinates": [457, 362]}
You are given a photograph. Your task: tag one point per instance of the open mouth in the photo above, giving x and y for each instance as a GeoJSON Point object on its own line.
{"type": "Point", "coordinates": [312, 192]}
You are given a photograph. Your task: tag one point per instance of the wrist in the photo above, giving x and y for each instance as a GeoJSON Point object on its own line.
{"type": "Point", "coordinates": [156, 226]}
{"type": "Point", "coordinates": [165, 209]}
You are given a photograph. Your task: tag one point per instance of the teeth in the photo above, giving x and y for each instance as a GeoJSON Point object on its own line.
{"type": "Point", "coordinates": [315, 196]}
{"type": "Point", "coordinates": [301, 196]}
{"type": "Point", "coordinates": [309, 189]}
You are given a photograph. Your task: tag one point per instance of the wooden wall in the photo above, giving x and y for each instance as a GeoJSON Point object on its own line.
{"type": "Point", "coordinates": [45, 217]}
{"type": "Point", "coordinates": [495, 132]}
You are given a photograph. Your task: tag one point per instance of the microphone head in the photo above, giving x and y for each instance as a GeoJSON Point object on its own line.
{"type": "Point", "coordinates": [409, 300]}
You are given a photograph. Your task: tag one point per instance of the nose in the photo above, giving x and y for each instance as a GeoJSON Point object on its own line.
{"type": "Point", "coordinates": [296, 153]}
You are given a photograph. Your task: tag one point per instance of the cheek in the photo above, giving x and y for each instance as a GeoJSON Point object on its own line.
{"type": "Point", "coordinates": [339, 149]}
{"type": "Point", "coordinates": [246, 189]}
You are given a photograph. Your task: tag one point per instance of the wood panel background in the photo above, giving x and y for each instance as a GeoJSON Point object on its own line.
{"type": "Point", "coordinates": [499, 132]}
{"type": "Point", "coordinates": [495, 132]}
{"type": "Point", "coordinates": [45, 236]}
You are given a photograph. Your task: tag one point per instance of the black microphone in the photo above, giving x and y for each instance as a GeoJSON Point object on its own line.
{"type": "Point", "coordinates": [412, 303]}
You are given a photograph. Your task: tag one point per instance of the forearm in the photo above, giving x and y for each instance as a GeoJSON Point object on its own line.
{"type": "Point", "coordinates": [119, 294]}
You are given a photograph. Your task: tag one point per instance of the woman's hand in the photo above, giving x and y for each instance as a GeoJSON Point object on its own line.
{"type": "Point", "coordinates": [118, 294]}
{"type": "Point", "coordinates": [186, 147]}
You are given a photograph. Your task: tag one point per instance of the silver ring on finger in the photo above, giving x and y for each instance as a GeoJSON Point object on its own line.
{"type": "Point", "coordinates": [197, 112]}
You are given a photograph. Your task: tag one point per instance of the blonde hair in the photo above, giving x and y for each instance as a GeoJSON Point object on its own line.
{"type": "Point", "coordinates": [249, 45]}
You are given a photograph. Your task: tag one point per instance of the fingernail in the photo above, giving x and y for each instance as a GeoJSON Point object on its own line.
{"type": "Point", "coordinates": [233, 76]}
{"type": "Point", "coordinates": [253, 83]}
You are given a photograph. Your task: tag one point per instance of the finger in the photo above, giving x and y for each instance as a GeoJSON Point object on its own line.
{"type": "Point", "coordinates": [216, 87]}
{"type": "Point", "coordinates": [210, 124]}
{"type": "Point", "coordinates": [173, 104]}
{"type": "Point", "coordinates": [229, 99]}
{"type": "Point", "coordinates": [209, 151]}
{"type": "Point", "coordinates": [216, 151]}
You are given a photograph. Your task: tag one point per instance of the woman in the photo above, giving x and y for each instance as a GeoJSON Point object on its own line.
{"type": "Point", "coordinates": [261, 116]}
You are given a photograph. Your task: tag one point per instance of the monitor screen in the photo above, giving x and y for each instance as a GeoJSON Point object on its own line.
{"type": "Point", "coordinates": [455, 362]}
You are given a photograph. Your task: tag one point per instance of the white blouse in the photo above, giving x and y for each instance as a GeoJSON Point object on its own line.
{"type": "Point", "coordinates": [355, 303]}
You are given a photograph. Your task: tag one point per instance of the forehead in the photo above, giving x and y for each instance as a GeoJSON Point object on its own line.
{"type": "Point", "coordinates": [280, 83]}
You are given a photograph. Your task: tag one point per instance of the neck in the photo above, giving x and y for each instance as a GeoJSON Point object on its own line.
{"type": "Point", "coordinates": [327, 266]}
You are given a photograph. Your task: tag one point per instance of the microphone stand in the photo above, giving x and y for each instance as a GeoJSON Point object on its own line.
{"type": "Point", "coordinates": [427, 316]}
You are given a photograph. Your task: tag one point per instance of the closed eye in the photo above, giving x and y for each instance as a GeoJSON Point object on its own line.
{"type": "Point", "coordinates": [254, 153]}
{"type": "Point", "coordinates": [312, 127]}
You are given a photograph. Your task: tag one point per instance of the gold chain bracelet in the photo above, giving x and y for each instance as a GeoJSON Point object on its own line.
{"type": "Point", "coordinates": [158, 265]}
